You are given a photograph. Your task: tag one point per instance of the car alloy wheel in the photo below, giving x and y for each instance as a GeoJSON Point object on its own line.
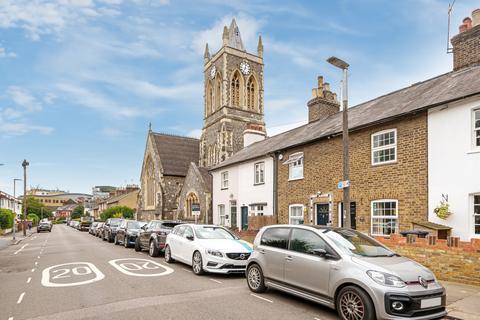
{"type": "Point", "coordinates": [125, 241]}
{"type": "Point", "coordinates": [167, 254]}
{"type": "Point", "coordinates": [197, 263]}
{"type": "Point", "coordinates": [152, 248]}
{"type": "Point", "coordinates": [254, 278]}
{"type": "Point", "coordinates": [115, 241]}
{"type": "Point", "coordinates": [351, 306]}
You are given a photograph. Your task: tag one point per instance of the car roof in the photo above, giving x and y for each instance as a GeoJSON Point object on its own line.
{"type": "Point", "coordinates": [305, 226]}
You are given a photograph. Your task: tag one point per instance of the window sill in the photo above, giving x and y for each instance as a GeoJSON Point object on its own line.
{"type": "Point", "coordinates": [224, 188]}
{"type": "Point", "coordinates": [473, 151]}
{"type": "Point", "coordinates": [384, 163]}
{"type": "Point", "coordinates": [259, 184]}
{"type": "Point", "coordinates": [294, 179]}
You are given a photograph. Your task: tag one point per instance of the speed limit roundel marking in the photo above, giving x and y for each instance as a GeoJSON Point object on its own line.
{"type": "Point", "coordinates": [140, 267]}
{"type": "Point", "coordinates": [71, 274]}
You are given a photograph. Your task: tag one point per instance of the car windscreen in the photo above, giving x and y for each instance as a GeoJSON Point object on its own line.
{"type": "Point", "coordinates": [133, 225]}
{"type": "Point", "coordinates": [169, 225]}
{"type": "Point", "coordinates": [115, 223]}
{"type": "Point", "coordinates": [203, 232]}
{"type": "Point", "coordinates": [354, 242]}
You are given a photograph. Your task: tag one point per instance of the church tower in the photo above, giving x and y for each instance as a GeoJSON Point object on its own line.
{"type": "Point", "coordinates": [233, 84]}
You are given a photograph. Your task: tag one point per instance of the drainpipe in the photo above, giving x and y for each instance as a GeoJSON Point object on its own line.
{"type": "Point", "coordinates": [275, 181]}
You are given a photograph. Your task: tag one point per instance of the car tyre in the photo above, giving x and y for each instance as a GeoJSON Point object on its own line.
{"type": "Point", "coordinates": [153, 250]}
{"type": "Point", "coordinates": [354, 303]}
{"type": "Point", "coordinates": [115, 240]}
{"type": "Point", "coordinates": [168, 255]}
{"type": "Point", "coordinates": [109, 238]}
{"type": "Point", "coordinates": [103, 237]}
{"type": "Point", "coordinates": [255, 279]}
{"type": "Point", "coordinates": [125, 242]}
{"type": "Point", "coordinates": [197, 263]}
{"type": "Point", "coordinates": [137, 245]}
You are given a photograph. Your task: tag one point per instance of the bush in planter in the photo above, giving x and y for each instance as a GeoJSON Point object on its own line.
{"type": "Point", "coordinates": [443, 210]}
{"type": "Point", "coordinates": [6, 218]}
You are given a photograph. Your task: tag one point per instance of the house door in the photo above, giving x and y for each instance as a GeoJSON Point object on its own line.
{"type": "Point", "coordinates": [353, 214]}
{"type": "Point", "coordinates": [322, 214]}
{"type": "Point", "coordinates": [244, 218]}
{"type": "Point", "coordinates": [233, 214]}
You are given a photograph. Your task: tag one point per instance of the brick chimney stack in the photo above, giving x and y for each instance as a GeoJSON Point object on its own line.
{"type": "Point", "coordinates": [324, 103]}
{"type": "Point", "coordinates": [466, 44]}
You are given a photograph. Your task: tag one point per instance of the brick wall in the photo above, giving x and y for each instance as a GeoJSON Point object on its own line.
{"type": "Point", "coordinates": [255, 223]}
{"type": "Point", "coordinates": [466, 48]}
{"type": "Point", "coordinates": [405, 180]}
{"type": "Point", "coordinates": [450, 260]}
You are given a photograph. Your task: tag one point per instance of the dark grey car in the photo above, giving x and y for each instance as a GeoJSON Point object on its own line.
{"type": "Point", "coordinates": [128, 232]}
{"type": "Point", "coordinates": [345, 270]}
{"type": "Point", "coordinates": [110, 228]}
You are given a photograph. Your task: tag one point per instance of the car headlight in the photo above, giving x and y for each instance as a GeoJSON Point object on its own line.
{"type": "Point", "coordinates": [386, 279]}
{"type": "Point", "coordinates": [214, 253]}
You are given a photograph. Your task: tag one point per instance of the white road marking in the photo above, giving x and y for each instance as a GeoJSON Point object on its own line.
{"type": "Point", "coordinates": [315, 318]}
{"type": "Point", "coordinates": [29, 279]}
{"type": "Point", "coordinates": [132, 266]}
{"type": "Point", "coordinates": [261, 298]}
{"type": "Point", "coordinates": [11, 318]}
{"type": "Point", "coordinates": [33, 270]}
{"type": "Point", "coordinates": [38, 257]}
{"type": "Point", "coordinates": [215, 280]}
{"type": "Point", "coordinates": [20, 298]}
{"type": "Point", "coordinates": [186, 270]}
{"type": "Point", "coordinates": [36, 263]}
{"type": "Point", "coordinates": [16, 252]}
{"type": "Point", "coordinates": [86, 267]}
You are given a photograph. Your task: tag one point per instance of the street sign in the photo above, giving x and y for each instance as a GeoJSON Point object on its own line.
{"type": "Point", "coordinates": [343, 184]}
{"type": "Point", "coordinates": [195, 209]}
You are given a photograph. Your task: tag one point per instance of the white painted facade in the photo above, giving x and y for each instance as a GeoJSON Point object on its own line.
{"type": "Point", "coordinates": [242, 191]}
{"type": "Point", "coordinates": [8, 202]}
{"type": "Point", "coordinates": [454, 165]}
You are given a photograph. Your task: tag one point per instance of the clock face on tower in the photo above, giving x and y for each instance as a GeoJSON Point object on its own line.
{"type": "Point", "coordinates": [213, 72]}
{"type": "Point", "coordinates": [245, 67]}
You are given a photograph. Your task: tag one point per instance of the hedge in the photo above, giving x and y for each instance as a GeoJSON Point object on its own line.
{"type": "Point", "coordinates": [6, 218]}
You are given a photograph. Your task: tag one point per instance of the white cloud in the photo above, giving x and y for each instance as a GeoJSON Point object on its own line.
{"type": "Point", "coordinates": [249, 31]}
{"type": "Point", "coordinates": [5, 54]}
{"type": "Point", "coordinates": [113, 132]}
{"type": "Point", "coordinates": [195, 133]}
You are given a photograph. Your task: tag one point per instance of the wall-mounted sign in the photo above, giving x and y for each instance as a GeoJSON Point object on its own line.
{"type": "Point", "coordinates": [195, 209]}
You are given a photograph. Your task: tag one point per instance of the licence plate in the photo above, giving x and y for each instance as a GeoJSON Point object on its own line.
{"type": "Point", "coordinates": [428, 303]}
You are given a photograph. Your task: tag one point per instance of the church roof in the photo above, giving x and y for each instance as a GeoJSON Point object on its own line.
{"type": "Point", "coordinates": [234, 38]}
{"type": "Point", "coordinates": [176, 153]}
{"type": "Point", "coordinates": [418, 97]}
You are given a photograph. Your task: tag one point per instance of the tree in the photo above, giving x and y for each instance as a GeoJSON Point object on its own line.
{"type": "Point", "coordinates": [34, 218]}
{"type": "Point", "coordinates": [77, 212]}
{"type": "Point", "coordinates": [37, 208]}
{"type": "Point", "coordinates": [6, 218]}
{"type": "Point", "coordinates": [117, 212]}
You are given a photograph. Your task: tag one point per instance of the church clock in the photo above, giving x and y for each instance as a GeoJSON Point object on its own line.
{"type": "Point", "coordinates": [245, 67]}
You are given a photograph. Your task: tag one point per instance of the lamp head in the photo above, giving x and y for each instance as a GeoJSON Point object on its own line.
{"type": "Point", "coordinates": [337, 62]}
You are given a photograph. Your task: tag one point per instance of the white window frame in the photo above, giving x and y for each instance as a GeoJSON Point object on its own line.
{"type": "Point", "coordinates": [221, 215]}
{"type": "Point", "coordinates": [475, 129]}
{"type": "Point", "coordinates": [259, 167]}
{"type": "Point", "coordinates": [295, 160]}
{"type": "Point", "coordinates": [292, 218]}
{"type": "Point", "coordinates": [372, 216]}
{"type": "Point", "coordinates": [224, 180]}
{"type": "Point", "coordinates": [386, 147]}
{"type": "Point", "coordinates": [257, 209]}
{"type": "Point", "coordinates": [474, 214]}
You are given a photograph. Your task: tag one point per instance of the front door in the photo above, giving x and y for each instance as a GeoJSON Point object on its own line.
{"type": "Point", "coordinates": [244, 218]}
{"type": "Point", "coordinates": [233, 214]}
{"type": "Point", "coordinates": [323, 214]}
{"type": "Point", "coordinates": [353, 214]}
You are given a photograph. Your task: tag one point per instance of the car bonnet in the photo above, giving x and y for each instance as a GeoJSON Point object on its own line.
{"type": "Point", "coordinates": [227, 245]}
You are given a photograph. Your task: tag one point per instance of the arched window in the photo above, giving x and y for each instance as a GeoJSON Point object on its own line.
{"type": "Point", "coordinates": [149, 183]}
{"type": "Point", "coordinates": [235, 89]}
{"type": "Point", "coordinates": [210, 106]}
{"type": "Point", "coordinates": [189, 201]}
{"type": "Point", "coordinates": [251, 94]}
{"type": "Point", "coordinates": [218, 93]}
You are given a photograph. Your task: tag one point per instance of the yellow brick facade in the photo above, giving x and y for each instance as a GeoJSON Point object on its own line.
{"type": "Point", "coordinates": [405, 180]}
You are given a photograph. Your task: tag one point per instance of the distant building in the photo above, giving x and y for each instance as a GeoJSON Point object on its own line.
{"type": "Point", "coordinates": [103, 192]}
{"type": "Point", "coordinates": [65, 211]}
{"type": "Point", "coordinates": [55, 199]}
{"type": "Point", "coordinates": [127, 196]}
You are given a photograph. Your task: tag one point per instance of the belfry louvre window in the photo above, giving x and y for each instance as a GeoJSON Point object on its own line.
{"type": "Point", "coordinates": [251, 94]}
{"type": "Point", "coordinates": [476, 128]}
{"type": "Point", "coordinates": [384, 147]}
{"type": "Point", "coordinates": [235, 89]}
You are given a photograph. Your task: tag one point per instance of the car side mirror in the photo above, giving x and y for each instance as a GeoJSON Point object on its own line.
{"type": "Point", "coordinates": [320, 252]}
{"type": "Point", "coordinates": [144, 227]}
{"type": "Point", "coordinates": [190, 238]}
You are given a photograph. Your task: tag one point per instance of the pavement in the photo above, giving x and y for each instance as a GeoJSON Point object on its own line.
{"type": "Point", "coordinates": [68, 274]}
{"type": "Point", "coordinates": [7, 239]}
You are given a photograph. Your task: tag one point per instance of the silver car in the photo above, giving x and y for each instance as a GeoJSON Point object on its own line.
{"type": "Point", "coordinates": [344, 270]}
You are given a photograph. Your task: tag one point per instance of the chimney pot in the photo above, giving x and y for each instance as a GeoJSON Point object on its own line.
{"type": "Point", "coordinates": [462, 28]}
{"type": "Point", "coordinates": [327, 86]}
{"type": "Point", "coordinates": [476, 17]}
{"type": "Point", "coordinates": [468, 22]}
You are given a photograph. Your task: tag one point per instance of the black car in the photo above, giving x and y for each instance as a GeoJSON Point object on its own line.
{"type": "Point", "coordinates": [153, 235]}
{"type": "Point", "coordinates": [110, 229]}
{"type": "Point", "coordinates": [44, 226]}
{"type": "Point", "coordinates": [128, 232]}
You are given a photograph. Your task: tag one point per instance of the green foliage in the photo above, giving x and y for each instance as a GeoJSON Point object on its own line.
{"type": "Point", "coordinates": [6, 218]}
{"type": "Point", "coordinates": [117, 212]}
{"type": "Point", "coordinates": [34, 218]}
{"type": "Point", "coordinates": [77, 212]}
{"type": "Point", "coordinates": [443, 210]}
{"type": "Point", "coordinates": [35, 207]}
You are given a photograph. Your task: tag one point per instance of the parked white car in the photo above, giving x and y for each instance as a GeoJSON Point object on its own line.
{"type": "Point", "coordinates": [207, 248]}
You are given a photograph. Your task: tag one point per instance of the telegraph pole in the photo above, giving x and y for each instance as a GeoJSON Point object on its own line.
{"type": "Point", "coordinates": [24, 165]}
{"type": "Point", "coordinates": [15, 206]}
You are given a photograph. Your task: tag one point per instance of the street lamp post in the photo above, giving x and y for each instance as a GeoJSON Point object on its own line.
{"type": "Point", "coordinates": [339, 63]}
{"type": "Point", "coordinates": [15, 206]}
{"type": "Point", "coordinates": [24, 165]}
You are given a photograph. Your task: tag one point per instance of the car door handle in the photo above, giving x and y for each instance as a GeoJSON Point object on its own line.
{"type": "Point", "coordinates": [262, 251]}
{"type": "Point", "coordinates": [288, 258]}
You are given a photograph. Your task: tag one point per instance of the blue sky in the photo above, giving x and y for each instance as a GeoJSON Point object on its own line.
{"type": "Point", "coordinates": [81, 79]}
